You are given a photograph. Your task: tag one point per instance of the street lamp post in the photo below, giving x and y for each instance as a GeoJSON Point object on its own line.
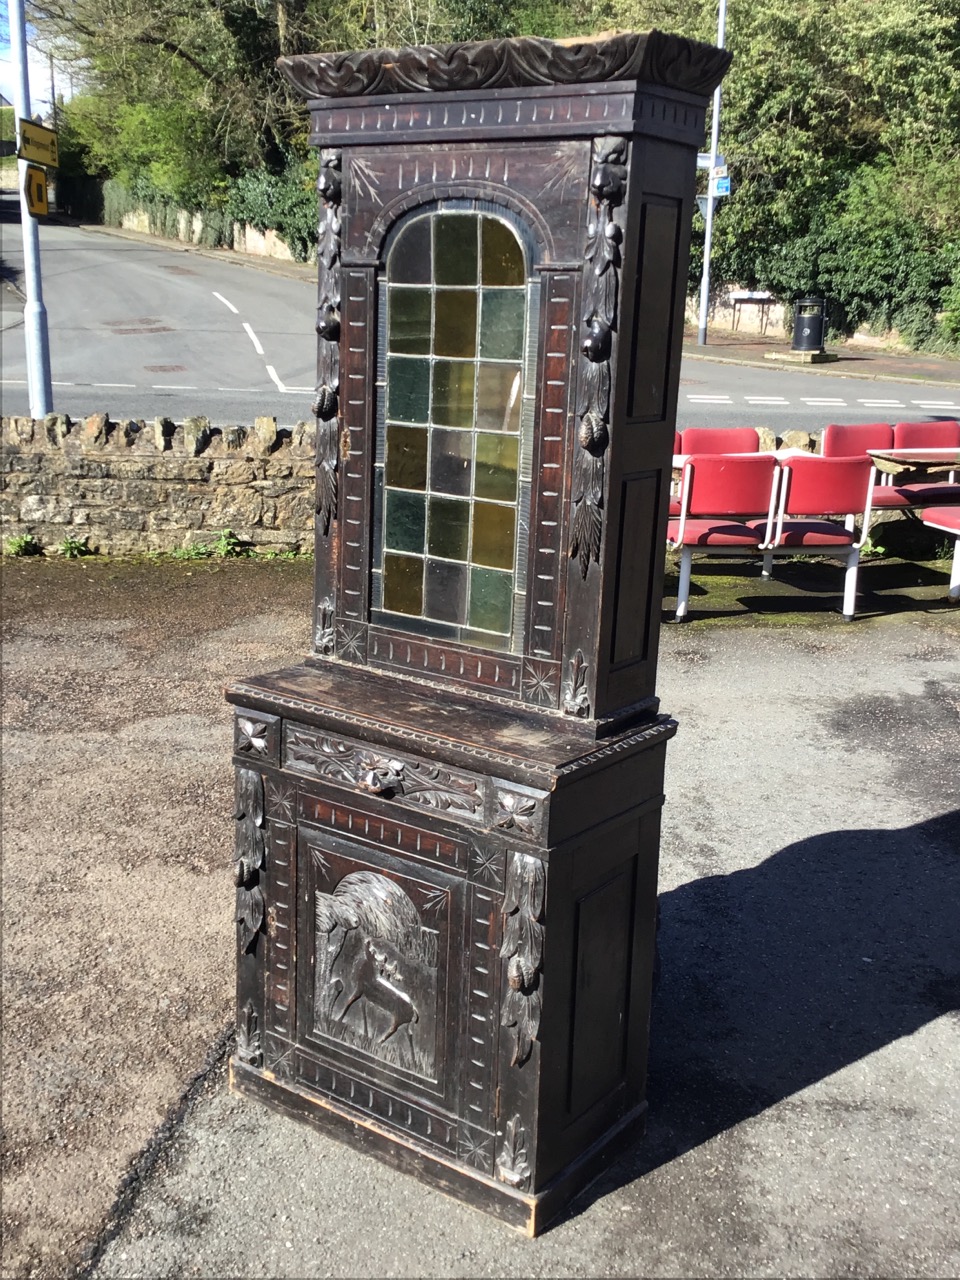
{"type": "Point", "coordinates": [34, 312]}
{"type": "Point", "coordinates": [711, 198]}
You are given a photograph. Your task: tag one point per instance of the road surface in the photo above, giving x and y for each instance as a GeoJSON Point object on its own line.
{"type": "Point", "coordinates": [140, 330]}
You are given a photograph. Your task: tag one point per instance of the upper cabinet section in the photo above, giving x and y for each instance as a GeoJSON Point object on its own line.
{"type": "Point", "coordinates": [503, 242]}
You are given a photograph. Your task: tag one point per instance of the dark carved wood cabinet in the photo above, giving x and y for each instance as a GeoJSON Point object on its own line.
{"type": "Point", "coordinates": [448, 815]}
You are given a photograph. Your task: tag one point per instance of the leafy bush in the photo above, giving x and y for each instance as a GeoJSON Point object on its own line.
{"type": "Point", "coordinates": [23, 544]}
{"type": "Point", "coordinates": [72, 548]}
{"type": "Point", "coordinates": [285, 203]}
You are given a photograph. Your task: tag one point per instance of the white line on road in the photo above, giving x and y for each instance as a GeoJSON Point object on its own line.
{"type": "Point", "coordinates": [883, 404]}
{"type": "Point", "coordinates": [275, 376]}
{"type": "Point", "coordinates": [163, 386]}
{"type": "Point", "coordinates": [307, 391]}
{"type": "Point", "coordinates": [226, 302]}
{"type": "Point", "coordinates": [822, 403]}
{"type": "Point", "coordinates": [131, 385]}
{"type": "Point", "coordinates": [710, 399]}
{"type": "Point", "coordinates": [254, 339]}
{"type": "Point", "coordinates": [934, 404]}
{"type": "Point", "coordinates": [765, 400]}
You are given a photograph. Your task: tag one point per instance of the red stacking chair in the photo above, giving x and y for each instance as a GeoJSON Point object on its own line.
{"type": "Point", "coordinates": [926, 435]}
{"type": "Point", "coordinates": [720, 440]}
{"type": "Point", "coordinates": [812, 490]}
{"type": "Point", "coordinates": [852, 440]}
{"type": "Point", "coordinates": [714, 489]}
{"type": "Point", "coordinates": [947, 519]}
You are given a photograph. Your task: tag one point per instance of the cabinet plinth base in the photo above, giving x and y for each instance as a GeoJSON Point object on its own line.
{"type": "Point", "coordinates": [532, 1214]}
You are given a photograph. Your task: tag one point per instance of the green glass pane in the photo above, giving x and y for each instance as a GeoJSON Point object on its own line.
{"type": "Point", "coordinates": [456, 323]}
{"type": "Point", "coordinates": [494, 534]}
{"type": "Point", "coordinates": [453, 383]}
{"type": "Point", "coordinates": [451, 453]}
{"type": "Point", "coordinates": [449, 531]}
{"type": "Point", "coordinates": [446, 596]}
{"type": "Point", "coordinates": [406, 457]}
{"type": "Point", "coordinates": [403, 584]}
{"type": "Point", "coordinates": [408, 389]}
{"type": "Point", "coordinates": [500, 254]}
{"type": "Point", "coordinates": [497, 462]}
{"type": "Point", "coordinates": [498, 397]}
{"type": "Point", "coordinates": [501, 323]}
{"type": "Point", "coordinates": [410, 260]}
{"type": "Point", "coordinates": [455, 248]}
{"type": "Point", "coordinates": [409, 312]}
{"type": "Point", "coordinates": [405, 521]}
{"type": "Point", "coordinates": [491, 600]}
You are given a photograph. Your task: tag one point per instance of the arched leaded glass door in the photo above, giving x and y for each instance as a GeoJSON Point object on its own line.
{"type": "Point", "coordinates": [452, 468]}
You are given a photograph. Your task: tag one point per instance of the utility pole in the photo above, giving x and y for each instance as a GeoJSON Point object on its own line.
{"type": "Point", "coordinates": [34, 312]}
{"type": "Point", "coordinates": [711, 198]}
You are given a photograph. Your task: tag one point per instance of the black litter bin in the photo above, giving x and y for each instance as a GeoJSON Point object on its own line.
{"type": "Point", "coordinates": [808, 324]}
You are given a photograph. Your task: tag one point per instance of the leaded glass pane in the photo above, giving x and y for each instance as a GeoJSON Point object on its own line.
{"type": "Point", "coordinates": [403, 584]}
{"type": "Point", "coordinates": [408, 389]}
{"type": "Point", "coordinates": [453, 382]}
{"type": "Point", "coordinates": [411, 260]}
{"type": "Point", "coordinates": [501, 255]}
{"type": "Point", "coordinates": [451, 456]}
{"type": "Point", "coordinates": [455, 248]}
{"type": "Point", "coordinates": [502, 312]}
{"type": "Point", "coordinates": [456, 323]}
{"type": "Point", "coordinates": [448, 460]}
{"type": "Point", "coordinates": [405, 521]}
{"type": "Point", "coordinates": [498, 457]}
{"type": "Point", "coordinates": [410, 318]}
{"type": "Point", "coordinates": [406, 457]}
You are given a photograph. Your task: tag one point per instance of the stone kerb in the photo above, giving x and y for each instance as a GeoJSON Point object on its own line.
{"type": "Point", "coordinates": [129, 485]}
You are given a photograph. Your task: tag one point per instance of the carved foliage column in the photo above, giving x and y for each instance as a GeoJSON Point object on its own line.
{"type": "Point", "coordinates": [522, 949]}
{"type": "Point", "coordinates": [326, 404]}
{"type": "Point", "coordinates": [601, 285]}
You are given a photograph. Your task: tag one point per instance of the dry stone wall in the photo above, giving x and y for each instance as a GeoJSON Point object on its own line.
{"type": "Point", "coordinates": [133, 486]}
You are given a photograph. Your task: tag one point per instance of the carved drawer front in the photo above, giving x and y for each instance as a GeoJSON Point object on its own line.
{"type": "Point", "coordinates": [408, 781]}
{"type": "Point", "coordinates": [387, 957]}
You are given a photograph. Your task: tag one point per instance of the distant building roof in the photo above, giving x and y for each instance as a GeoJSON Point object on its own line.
{"type": "Point", "coordinates": [4, 102]}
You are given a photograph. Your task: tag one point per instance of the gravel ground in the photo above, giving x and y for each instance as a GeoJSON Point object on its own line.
{"type": "Point", "coordinates": [804, 1081]}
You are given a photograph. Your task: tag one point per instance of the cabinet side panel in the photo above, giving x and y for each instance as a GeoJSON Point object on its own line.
{"type": "Point", "coordinates": [635, 569]}
{"type": "Point", "coordinates": [653, 327]}
{"type": "Point", "coordinates": [601, 989]}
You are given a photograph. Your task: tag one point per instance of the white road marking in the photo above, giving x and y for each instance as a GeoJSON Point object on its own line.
{"type": "Point", "coordinates": [883, 404]}
{"type": "Point", "coordinates": [765, 400]}
{"type": "Point", "coordinates": [226, 302]}
{"type": "Point", "coordinates": [710, 399]}
{"type": "Point", "coordinates": [301, 390]}
{"type": "Point", "coordinates": [163, 386]}
{"type": "Point", "coordinates": [56, 384]}
{"type": "Point", "coordinates": [254, 339]}
{"type": "Point", "coordinates": [131, 385]}
{"type": "Point", "coordinates": [934, 404]}
{"type": "Point", "coordinates": [822, 403]}
{"type": "Point", "coordinates": [275, 376]}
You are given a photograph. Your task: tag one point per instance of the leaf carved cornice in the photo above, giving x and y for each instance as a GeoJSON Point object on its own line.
{"type": "Point", "coordinates": [652, 56]}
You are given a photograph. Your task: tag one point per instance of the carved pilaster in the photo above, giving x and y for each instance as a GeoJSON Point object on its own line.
{"type": "Point", "coordinates": [327, 400]}
{"type": "Point", "coordinates": [513, 1167]}
{"type": "Point", "coordinates": [248, 855]}
{"type": "Point", "coordinates": [522, 948]}
{"type": "Point", "coordinates": [576, 697]}
{"type": "Point", "coordinates": [248, 1036]}
{"type": "Point", "coordinates": [601, 283]}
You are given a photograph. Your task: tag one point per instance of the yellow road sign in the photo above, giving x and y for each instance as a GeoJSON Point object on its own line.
{"type": "Point", "coordinates": [35, 187]}
{"type": "Point", "coordinates": [39, 144]}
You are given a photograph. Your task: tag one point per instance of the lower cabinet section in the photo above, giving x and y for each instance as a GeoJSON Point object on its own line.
{"type": "Point", "coordinates": [461, 1000]}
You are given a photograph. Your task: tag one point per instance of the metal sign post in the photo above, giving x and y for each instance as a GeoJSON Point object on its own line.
{"type": "Point", "coordinates": [34, 312]}
{"type": "Point", "coordinates": [716, 161]}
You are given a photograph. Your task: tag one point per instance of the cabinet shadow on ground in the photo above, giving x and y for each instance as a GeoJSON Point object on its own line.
{"type": "Point", "coordinates": [775, 977]}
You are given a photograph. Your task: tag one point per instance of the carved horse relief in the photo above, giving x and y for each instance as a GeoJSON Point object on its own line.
{"type": "Point", "coordinates": [376, 971]}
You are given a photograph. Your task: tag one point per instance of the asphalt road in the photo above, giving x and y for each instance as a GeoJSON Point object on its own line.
{"type": "Point", "coordinates": [139, 330]}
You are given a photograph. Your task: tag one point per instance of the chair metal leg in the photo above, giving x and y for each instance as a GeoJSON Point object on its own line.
{"type": "Point", "coordinates": [850, 585]}
{"type": "Point", "coordinates": [767, 570]}
{"type": "Point", "coordinates": [683, 586]}
{"type": "Point", "coordinates": [955, 572]}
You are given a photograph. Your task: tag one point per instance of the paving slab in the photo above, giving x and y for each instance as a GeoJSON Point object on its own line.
{"type": "Point", "coordinates": [806, 1034]}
